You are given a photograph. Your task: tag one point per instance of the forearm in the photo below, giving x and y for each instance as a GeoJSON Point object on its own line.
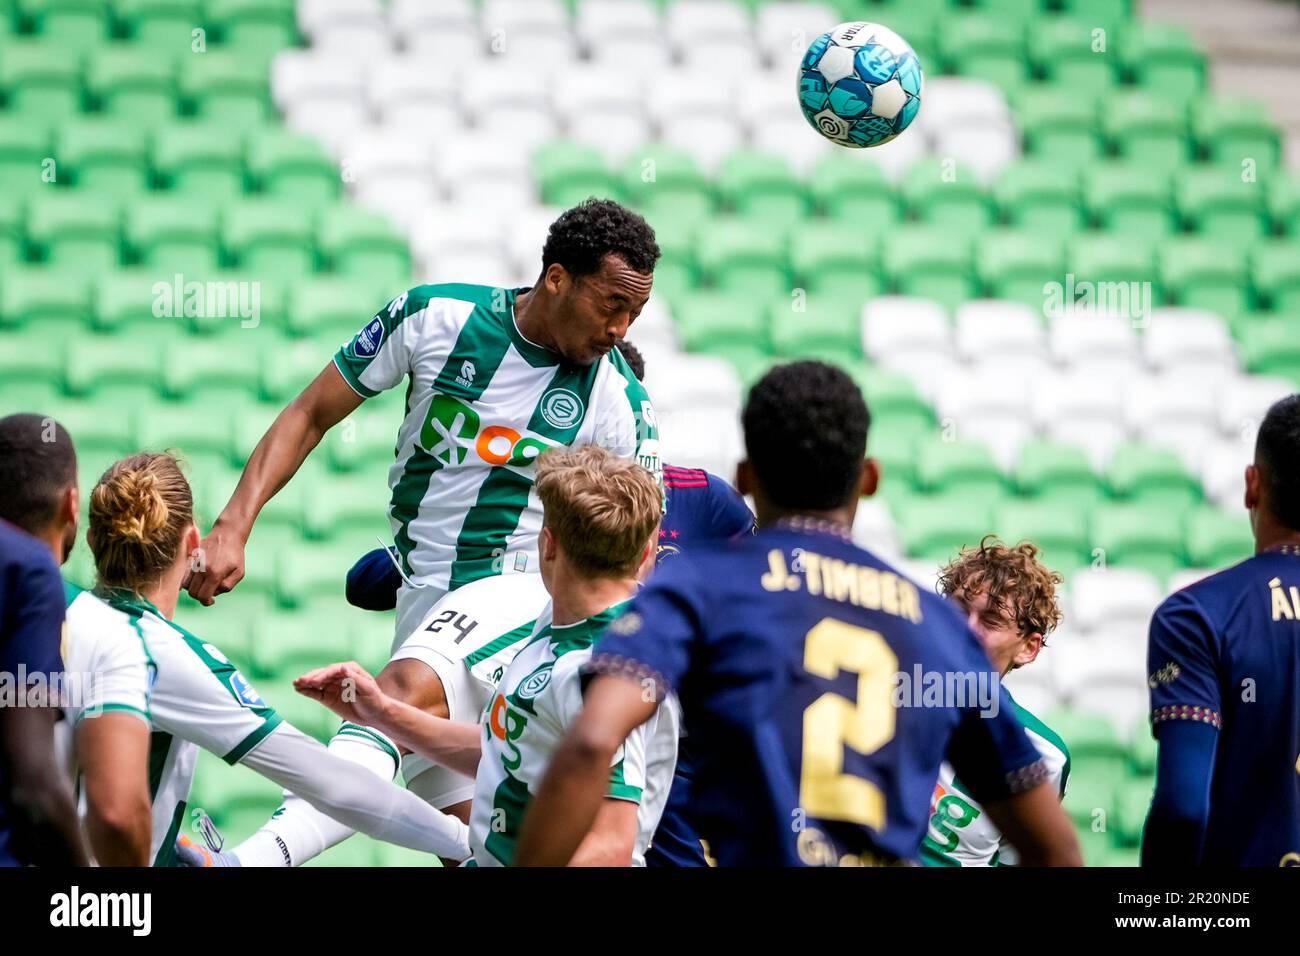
{"type": "Point", "coordinates": [44, 813]}
{"type": "Point", "coordinates": [350, 794]}
{"type": "Point", "coordinates": [275, 460]}
{"type": "Point", "coordinates": [1034, 823]}
{"type": "Point", "coordinates": [1180, 806]}
{"type": "Point", "coordinates": [120, 839]}
{"type": "Point", "coordinates": [455, 744]}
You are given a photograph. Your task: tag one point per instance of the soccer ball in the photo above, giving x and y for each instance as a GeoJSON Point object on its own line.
{"type": "Point", "coordinates": [860, 84]}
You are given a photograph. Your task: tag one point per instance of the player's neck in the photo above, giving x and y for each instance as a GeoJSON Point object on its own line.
{"type": "Point", "coordinates": [530, 321]}
{"type": "Point", "coordinates": [1270, 534]}
{"type": "Point", "coordinates": [166, 592]}
{"type": "Point", "coordinates": [52, 538]}
{"type": "Point", "coordinates": [575, 599]}
{"type": "Point", "coordinates": [769, 516]}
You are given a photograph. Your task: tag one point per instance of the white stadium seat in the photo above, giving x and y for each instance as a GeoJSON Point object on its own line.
{"type": "Point", "coordinates": [957, 101]}
{"type": "Point", "coordinates": [1187, 338]}
{"type": "Point", "coordinates": [301, 75]}
{"type": "Point", "coordinates": [784, 31]}
{"type": "Point", "coordinates": [1082, 410]}
{"type": "Point", "coordinates": [984, 328]}
{"type": "Point", "coordinates": [597, 86]}
{"type": "Point", "coordinates": [1243, 402]}
{"type": "Point", "coordinates": [406, 16]}
{"type": "Point", "coordinates": [526, 16]}
{"type": "Point", "coordinates": [1223, 471]}
{"type": "Point", "coordinates": [1172, 412]}
{"type": "Point", "coordinates": [789, 139]}
{"type": "Point", "coordinates": [702, 438]}
{"type": "Point", "coordinates": [645, 54]}
{"type": "Point", "coordinates": [1113, 600]}
{"type": "Point", "coordinates": [722, 19]}
{"type": "Point", "coordinates": [597, 19]}
{"type": "Point", "coordinates": [894, 323]}
{"type": "Point", "coordinates": [449, 46]}
{"type": "Point", "coordinates": [404, 89]}
{"type": "Point", "coordinates": [873, 529]}
{"type": "Point", "coordinates": [1095, 341]}
{"type": "Point", "coordinates": [720, 57]}
{"type": "Point", "coordinates": [691, 382]}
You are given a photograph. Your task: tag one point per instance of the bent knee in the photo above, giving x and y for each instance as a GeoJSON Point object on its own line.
{"type": "Point", "coordinates": [416, 683]}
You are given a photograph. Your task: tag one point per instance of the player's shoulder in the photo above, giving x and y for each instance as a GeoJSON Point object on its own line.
{"type": "Point", "coordinates": [1039, 729]}
{"type": "Point", "coordinates": [1218, 595]}
{"type": "Point", "coordinates": [22, 552]}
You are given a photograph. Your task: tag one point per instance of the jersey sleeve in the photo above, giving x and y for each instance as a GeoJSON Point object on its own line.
{"type": "Point", "coordinates": [628, 771]}
{"type": "Point", "coordinates": [120, 681]}
{"type": "Point", "coordinates": [731, 516]}
{"type": "Point", "coordinates": [1182, 664]}
{"type": "Point", "coordinates": [992, 755]}
{"type": "Point", "coordinates": [653, 639]}
{"type": "Point", "coordinates": [31, 615]}
{"type": "Point", "coordinates": [629, 427]}
{"type": "Point", "coordinates": [380, 355]}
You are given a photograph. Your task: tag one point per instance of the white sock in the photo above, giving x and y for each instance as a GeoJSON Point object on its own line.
{"type": "Point", "coordinates": [297, 831]}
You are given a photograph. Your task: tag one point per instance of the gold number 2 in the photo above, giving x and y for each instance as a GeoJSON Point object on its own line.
{"type": "Point", "coordinates": [832, 722]}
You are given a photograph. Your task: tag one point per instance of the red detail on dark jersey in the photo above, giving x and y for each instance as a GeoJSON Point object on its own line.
{"type": "Point", "coordinates": [685, 477]}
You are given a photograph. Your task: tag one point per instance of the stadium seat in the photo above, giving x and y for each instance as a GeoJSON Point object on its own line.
{"type": "Point", "coordinates": [987, 328]}
{"type": "Point", "coordinates": [1283, 203]}
{"type": "Point", "coordinates": [56, 301]}
{"type": "Point", "coordinates": [177, 232]}
{"type": "Point", "coordinates": [290, 644]}
{"type": "Point", "coordinates": [39, 80]}
{"type": "Point", "coordinates": [1275, 274]}
{"type": "Point", "coordinates": [75, 229]}
{"type": "Point", "coordinates": [1233, 131]}
{"type": "Point", "coordinates": [815, 325]}
{"type": "Point", "coordinates": [947, 195]}
{"type": "Point", "coordinates": [1040, 198]}
{"type": "Point", "coordinates": [200, 159]}
{"type": "Point", "coordinates": [195, 372]}
{"type": "Point", "coordinates": [835, 258]}
{"type": "Point", "coordinates": [930, 261]}
{"type": "Point", "coordinates": [269, 235]}
{"type": "Point", "coordinates": [106, 156]}
{"type": "Point", "coordinates": [127, 301]}
{"type": "Point", "coordinates": [199, 431]}
{"type": "Point", "coordinates": [937, 527]}
{"type": "Point", "coordinates": [1129, 199]}
{"type": "Point", "coordinates": [1057, 474]}
{"type": "Point", "coordinates": [854, 190]}
{"type": "Point", "coordinates": [112, 371]}
{"type": "Point", "coordinates": [570, 172]}
{"type": "Point", "coordinates": [710, 321]}
{"type": "Point", "coordinates": [1065, 51]}
{"type": "Point", "coordinates": [364, 245]}
{"type": "Point", "coordinates": [25, 147]}
{"type": "Point", "coordinates": [1095, 342]}
{"type": "Point", "coordinates": [957, 466]}
{"type": "Point", "coordinates": [1189, 341]}
{"type": "Point", "coordinates": [100, 439]}
{"type": "Point", "coordinates": [133, 82]}
{"type": "Point", "coordinates": [344, 503]}
{"type": "Point", "coordinates": [667, 185]}
{"type": "Point", "coordinates": [893, 399]}
{"type": "Point", "coordinates": [255, 28]}
{"type": "Point", "coordinates": [1061, 534]}
{"type": "Point", "coordinates": [984, 46]}
{"type": "Point", "coordinates": [1143, 474]}
{"type": "Point", "coordinates": [1217, 203]}
{"type": "Point", "coordinates": [1093, 744]}
{"type": "Point", "coordinates": [1083, 410]}
{"type": "Point", "coordinates": [1107, 257]}
{"type": "Point", "coordinates": [1058, 125]}
{"type": "Point", "coordinates": [733, 255]}
{"type": "Point", "coordinates": [159, 24]}
{"type": "Point", "coordinates": [899, 324]}
{"type": "Point", "coordinates": [325, 306]}
{"type": "Point", "coordinates": [292, 167]}
{"type": "Point", "coordinates": [1132, 803]}
{"type": "Point", "coordinates": [363, 438]}
{"type": "Point", "coordinates": [1204, 273]}
{"type": "Point", "coordinates": [73, 24]}
{"type": "Point", "coordinates": [222, 86]}
{"type": "Point", "coordinates": [1272, 347]}
{"type": "Point", "coordinates": [1140, 535]}
{"type": "Point", "coordinates": [762, 187]}
{"type": "Point", "coordinates": [1014, 264]}
{"type": "Point", "coordinates": [1163, 59]}
{"type": "Point", "coordinates": [1148, 128]}
{"type": "Point", "coordinates": [1217, 539]}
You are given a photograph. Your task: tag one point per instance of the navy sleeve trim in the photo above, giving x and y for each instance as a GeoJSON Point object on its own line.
{"type": "Point", "coordinates": [1194, 712]}
{"type": "Point", "coordinates": [615, 665]}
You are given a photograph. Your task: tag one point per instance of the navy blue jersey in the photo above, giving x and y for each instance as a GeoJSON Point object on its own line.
{"type": "Point", "coordinates": [1225, 652]}
{"type": "Point", "coordinates": [31, 632]}
{"type": "Point", "coordinates": [821, 691]}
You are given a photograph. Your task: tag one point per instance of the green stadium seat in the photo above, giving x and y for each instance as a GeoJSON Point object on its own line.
{"type": "Point", "coordinates": [1233, 131]}
{"type": "Point", "coordinates": [816, 326]}
{"type": "Point", "coordinates": [1142, 755]}
{"type": "Point", "coordinates": [930, 262]}
{"type": "Point", "coordinates": [133, 82]}
{"type": "Point", "coordinates": [107, 156]}
{"type": "Point", "coordinates": [1041, 198]}
{"type": "Point", "coordinates": [953, 467]}
{"type": "Point", "coordinates": [292, 644]}
{"type": "Point", "coordinates": [177, 232]}
{"type": "Point", "coordinates": [1205, 273]}
{"type": "Point", "coordinates": [1014, 264]}
{"type": "Point", "coordinates": [13, 225]}
{"type": "Point", "coordinates": [1061, 534]}
{"type": "Point", "coordinates": [226, 793]}
{"type": "Point", "coordinates": [893, 444]}
{"type": "Point", "coordinates": [254, 27]}
{"type": "Point", "coordinates": [736, 256]}
{"type": "Point", "coordinates": [847, 187]}
{"type": "Point", "coordinates": [310, 571]}
{"type": "Point", "coordinates": [937, 527]}
{"type": "Point", "coordinates": [710, 321]}
{"type": "Point", "coordinates": [947, 196]}
{"type": "Point", "coordinates": [1145, 474]}
{"type": "Point", "coordinates": [1283, 202]}
{"type": "Point", "coordinates": [749, 361]}
{"type": "Point", "coordinates": [1217, 538]}
{"type": "Point", "coordinates": [1132, 801]}
{"type": "Point", "coordinates": [1058, 124]}
{"type": "Point", "coordinates": [985, 46]}
{"type": "Point", "coordinates": [365, 245]}
{"type": "Point", "coordinates": [1163, 58]}
{"type": "Point", "coordinates": [1058, 474]}
{"type": "Point", "coordinates": [346, 503]}
{"type": "Point", "coordinates": [1272, 347]}
{"type": "Point", "coordinates": [276, 530]}
{"type": "Point", "coordinates": [56, 301]}
{"type": "Point", "coordinates": [1129, 199]}
{"type": "Point", "coordinates": [1140, 534]}
{"type": "Point", "coordinates": [1064, 51]}
{"type": "Point", "coordinates": [293, 167]}
{"type": "Point", "coordinates": [75, 229]}
{"type": "Point", "coordinates": [25, 148]}
{"type": "Point", "coordinates": [761, 186]}
{"type": "Point", "coordinates": [40, 79]}
{"type": "Point", "coordinates": [894, 402]}
{"type": "Point", "coordinates": [99, 438]}
{"type": "Point", "coordinates": [28, 362]}
{"type": "Point", "coordinates": [214, 375]}
{"type": "Point", "coordinates": [1275, 273]}
{"type": "Point", "coordinates": [1217, 203]}
{"type": "Point", "coordinates": [72, 24]}
{"type": "Point", "coordinates": [389, 854]}
{"type": "Point", "coordinates": [677, 271]}
{"type": "Point", "coordinates": [1085, 795]}
{"type": "Point", "coordinates": [197, 430]}
{"type": "Point", "coordinates": [269, 235]}
{"type": "Point", "coordinates": [201, 159]}
{"type": "Point", "coordinates": [128, 301]}
{"type": "Point", "coordinates": [1105, 257]}
{"type": "Point", "coordinates": [836, 258]}
{"type": "Point", "coordinates": [364, 437]}
{"type": "Point", "coordinates": [223, 86]}
{"type": "Point", "coordinates": [1148, 129]}
{"type": "Point", "coordinates": [302, 712]}
{"type": "Point", "coordinates": [327, 305]}
{"type": "Point", "coordinates": [239, 300]}
{"type": "Point", "coordinates": [1099, 11]}
{"type": "Point", "coordinates": [668, 185]}
{"type": "Point", "coordinates": [162, 25]}
{"type": "Point", "coordinates": [287, 371]}
{"type": "Point", "coordinates": [1096, 751]}
{"type": "Point", "coordinates": [568, 173]}
{"type": "Point", "coordinates": [1017, 11]}
{"type": "Point", "coordinates": [113, 370]}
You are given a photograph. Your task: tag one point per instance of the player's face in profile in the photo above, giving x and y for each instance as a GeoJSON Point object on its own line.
{"type": "Point", "coordinates": [1001, 637]}
{"type": "Point", "coordinates": [599, 309]}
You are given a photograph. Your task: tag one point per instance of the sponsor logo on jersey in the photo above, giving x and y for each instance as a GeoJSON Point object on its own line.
{"type": "Point", "coordinates": [244, 691]}
{"type": "Point", "coordinates": [534, 683]}
{"type": "Point", "coordinates": [506, 724]}
{"type": "Point", "coordinates": [368, 340]}
{"type": "Point", "coordinates": [562, 408]}
{"type": "Point", "coordinates": [667, 551]}
{"type": "Point", "coordinates": [1165, 675]}
{"type": "Point", "coordinates": [453, 428]}
{"type": "Point", "coordinates": [467, 373]}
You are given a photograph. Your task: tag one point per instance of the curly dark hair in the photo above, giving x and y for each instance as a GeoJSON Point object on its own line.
{"type": "Point", "coordinates": [633, 357]}
{"type": "Point", "coordinates": [37, 464]}
{"type": "Point", "coordinates": [806, 435]}
{"type": "Point", "coordinates": [583, 236]}
{"type": "Point", "coordinates": [1277, 454]}
{"type": "Point", "coordinates": [1019, 587]}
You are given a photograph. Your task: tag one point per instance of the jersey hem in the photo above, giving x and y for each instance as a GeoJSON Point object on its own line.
{"type": "Point", "coordinates": [350, 377]}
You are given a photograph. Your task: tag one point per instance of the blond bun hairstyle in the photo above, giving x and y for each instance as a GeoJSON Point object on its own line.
{"type": "Point", "coordinates": [139, 512]}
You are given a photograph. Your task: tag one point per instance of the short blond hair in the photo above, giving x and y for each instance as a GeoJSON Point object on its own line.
{"type": "Point", "coordinates": [139, 512]}
{"type": "Point", "coordinates": [601, 508]}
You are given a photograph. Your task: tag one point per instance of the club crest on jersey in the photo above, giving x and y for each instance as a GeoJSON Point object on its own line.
{"type": "Point", "coordinates": [561, 408]}
{"type": "Point", "coordinates": [244, 691]}
{"type": "Point", "coordinates": [534, 683]}
{"type": "Point", "coordinates": [368, 340]}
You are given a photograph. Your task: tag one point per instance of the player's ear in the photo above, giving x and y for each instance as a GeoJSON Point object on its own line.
{"type": "Point", "coordinates": [546, 544]}
{"type": "Point", "coordinates": [870, 478]}
{"type": "Point", "coordinates": [70, 506]}
{"type": "Point", "coordinates": [556, 278]}
{"type": "Point", "coordinates": [1029, 650]}
{"type": "Point", "coordinates": [1252, 487]}
{"type": "Point", "coordinates": [744, 478]}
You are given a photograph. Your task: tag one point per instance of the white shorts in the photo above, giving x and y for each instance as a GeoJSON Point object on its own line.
{"type": "Point", "coordinates": [468, 639]}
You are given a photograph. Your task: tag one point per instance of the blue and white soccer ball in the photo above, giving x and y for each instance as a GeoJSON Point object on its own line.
{"type": "Point", "coordinates": [860, 84]}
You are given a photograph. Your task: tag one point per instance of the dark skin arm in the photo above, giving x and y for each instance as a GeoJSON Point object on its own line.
{"type": "Point", "coordinates": [113, 753]}
{"type": "Point", "coordinates": [276, 459]}
{"type": "Point", "coordinates": [1037, 827]}
{"type": "Point", "coordinates": [572, 792]}
{"type": "Point", "coordinates": [46, 831]}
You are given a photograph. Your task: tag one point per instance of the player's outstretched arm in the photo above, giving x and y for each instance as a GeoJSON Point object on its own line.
{"type": "Point", "coordinates": [113, 754]}
{"type": "Point", "coordinates": [1037, 827]}
{"type": "Point", "coordinates": [278, 456]}
{"type": "Point", "coordinates": [572, 792]}
{"type": "Point", "coordinates": [352, 693]}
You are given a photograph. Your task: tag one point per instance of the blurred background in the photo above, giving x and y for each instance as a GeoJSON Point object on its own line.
{"type": "Point", "coordinates": [202, 199]}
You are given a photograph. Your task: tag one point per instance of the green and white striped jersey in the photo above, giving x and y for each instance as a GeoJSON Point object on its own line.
{"type": "Point", "coordinates": [106, 664]}
{"type": "Point", "coordinates": [960, 832]}
{"type": "Point", "coordinates": [482, 402]}
{"type": "Point", "coordinates": [199, 699]}
{"type": "Point", "coordinates": [536, 702]}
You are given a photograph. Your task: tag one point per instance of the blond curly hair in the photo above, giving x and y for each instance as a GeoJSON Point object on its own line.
{"type": "Point", "coordinates": [1019, 587]}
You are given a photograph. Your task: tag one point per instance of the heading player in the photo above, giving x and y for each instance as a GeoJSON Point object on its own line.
{"type": "Point", "coordinates": [784, 648]}
{"type": "Point", "coordinates": [597, 539]}
{"type": "Point", "coordinates": [1009, 597]}
{"type": "Point", "coordinates": [1224, 663]}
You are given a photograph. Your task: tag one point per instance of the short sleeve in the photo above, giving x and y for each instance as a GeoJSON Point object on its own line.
{"type": "Point", "coordinates": [731, 516]}
{"type": "Point", "coordinates": [628, 770]}
{"type": "Point", "coordinates": [1182, 664]}
{"type": "Point", "coordinates": [992, 755]}
{"type": "Point", "coordinates": [380, 355]}
{"type": "Point", "coordinates": [653, 638]}
{"type": "Point", "coordinates": [121, 683]}
{"type": "Point", "coordinates": [31, 629]}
